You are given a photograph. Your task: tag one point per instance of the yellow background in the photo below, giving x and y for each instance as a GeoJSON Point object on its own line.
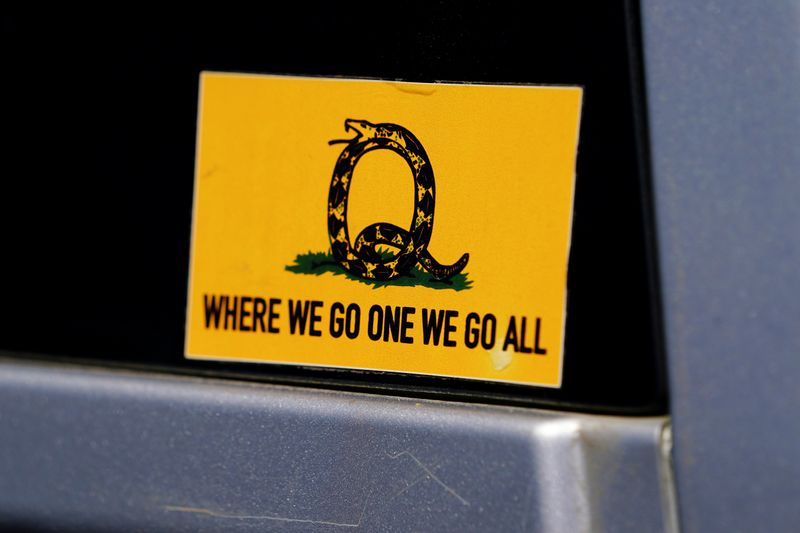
{"type": "Point", "coordinates": [503, 159]}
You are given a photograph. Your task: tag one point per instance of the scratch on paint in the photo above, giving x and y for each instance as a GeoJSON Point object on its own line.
{"type": "Point", "coordinates": [407, 487]}
{"type": "Point", "coordinates": [428, 473]}
{"type": "Point", "coordinates": [236, 516]}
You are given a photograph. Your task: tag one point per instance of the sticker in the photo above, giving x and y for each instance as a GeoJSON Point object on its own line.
{"type": "Point", "coordinates": [404, 227]}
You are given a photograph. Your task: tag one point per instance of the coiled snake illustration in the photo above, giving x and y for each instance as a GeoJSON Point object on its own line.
{"type": "Point", "coordinates": [362, 258]}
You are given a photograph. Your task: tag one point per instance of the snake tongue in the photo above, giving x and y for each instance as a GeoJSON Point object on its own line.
{"type": "Point", "coordinates": [349, 125]}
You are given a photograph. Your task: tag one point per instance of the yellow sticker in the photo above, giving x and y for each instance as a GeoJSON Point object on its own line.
{"type": "Point", "coordinates": [403, 227]}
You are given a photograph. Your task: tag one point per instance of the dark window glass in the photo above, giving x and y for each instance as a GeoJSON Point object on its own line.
{"type": "Point", "coordinates": [98, 123]}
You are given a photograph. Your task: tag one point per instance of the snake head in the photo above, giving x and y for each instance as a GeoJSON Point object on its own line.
{"type": "Point", "coordinates": [363, 130]}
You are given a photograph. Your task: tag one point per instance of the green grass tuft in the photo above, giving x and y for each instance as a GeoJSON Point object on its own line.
{"type": "Point", "coordinates": [318, 263]}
